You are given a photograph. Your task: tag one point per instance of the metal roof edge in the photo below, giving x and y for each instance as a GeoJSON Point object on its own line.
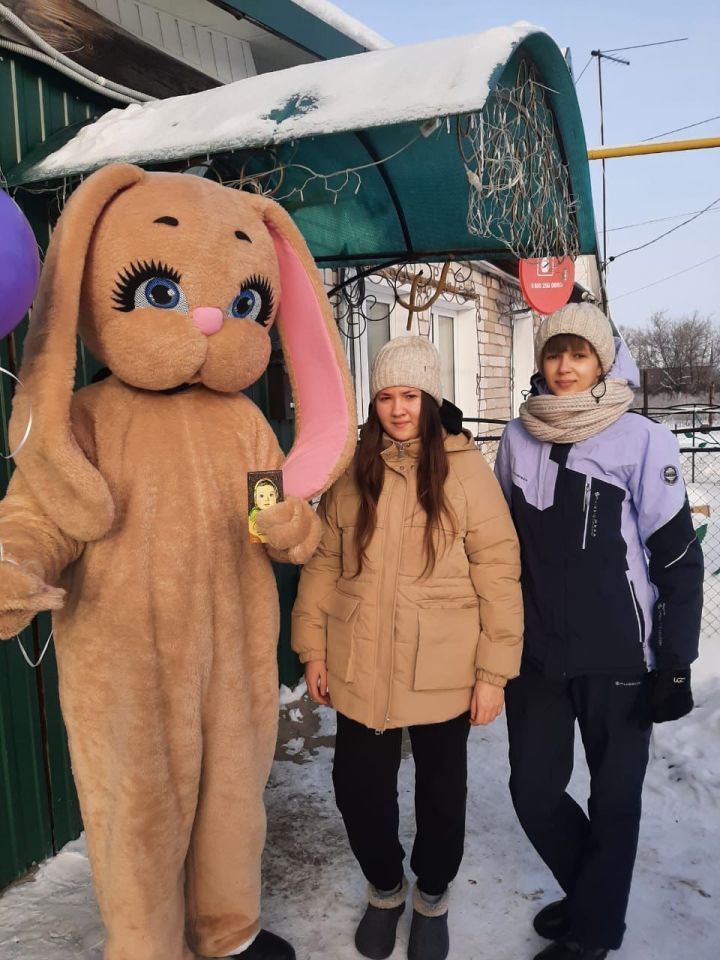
{"type": "Point", "coordinates": [299, 26]}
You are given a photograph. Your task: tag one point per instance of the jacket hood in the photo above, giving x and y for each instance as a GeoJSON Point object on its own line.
{"type": "Point", "coordinates": [459, 441]}
{"type": "Point", "coordinates": [451, 417]}
{"type": "Point", "coordinates": [624, 367]}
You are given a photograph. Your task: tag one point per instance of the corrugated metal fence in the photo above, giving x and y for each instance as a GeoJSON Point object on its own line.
{"type": "Point", "coordinates": [38, 805]}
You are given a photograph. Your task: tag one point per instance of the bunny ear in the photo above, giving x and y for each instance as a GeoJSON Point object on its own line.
{"type": "Point", "coordinates": [71, 491]}
{"type": "Point", "coordinates": [325, 419]}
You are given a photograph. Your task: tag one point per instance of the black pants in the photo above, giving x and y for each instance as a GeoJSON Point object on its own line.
{"type": "Point", "coordinates": [365, 774]}
{"type": "Point", "coordinates": [592, 857]}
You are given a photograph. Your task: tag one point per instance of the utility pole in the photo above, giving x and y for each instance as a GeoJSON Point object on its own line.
{"type": "Point", "coordinates": [600, 57]}
{"type": "Point", "coordinates": [607, 55]}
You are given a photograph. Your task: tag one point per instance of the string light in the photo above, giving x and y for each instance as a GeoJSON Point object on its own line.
{"type": "Point", "coordinates": [520, 189]}
{"type": "Point", "coordinates": [347, 176]}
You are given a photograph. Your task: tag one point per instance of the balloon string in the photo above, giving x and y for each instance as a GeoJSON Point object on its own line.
{"type": "Point", "coordinates": [23, 651]}
{"type": "Point", "coordinates": [28, 428]}
{"type": "Point", "coordinates": [27, 659]}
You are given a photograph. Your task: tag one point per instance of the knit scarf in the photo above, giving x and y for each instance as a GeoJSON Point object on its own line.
{"type": "Point", "coordinates": [577, 416]}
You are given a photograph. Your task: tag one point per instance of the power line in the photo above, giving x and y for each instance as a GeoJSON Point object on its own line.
{"type": "Point", "coordinates": [667, 232]}
{"type": "Point", "coordinates": [663, 279]}
{"type": "Point", "coordinates": [640, 46]}
{"type": "Point", "coordinates": [583, 70]}
{"type": "Point", "coordinates": [678, 129]}
{"type": "Point", "coordinates": [646, 223]}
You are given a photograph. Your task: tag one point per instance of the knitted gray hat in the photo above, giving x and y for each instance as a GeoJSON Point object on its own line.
{"type": "Point", "coordinates": [407, 362]}
{"type": "Point", "coordinates": [582, 320]}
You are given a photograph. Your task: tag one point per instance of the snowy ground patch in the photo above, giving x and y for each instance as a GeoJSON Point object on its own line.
{"type": "Point", "coordinates": [314, 893]}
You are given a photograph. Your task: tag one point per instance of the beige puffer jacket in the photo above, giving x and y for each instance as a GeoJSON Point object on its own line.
{"type": "Point", "coordinates": [401, 648]}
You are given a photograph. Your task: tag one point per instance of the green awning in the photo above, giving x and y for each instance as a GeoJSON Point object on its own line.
{"type": "Point", "coordinates": [364, 150]}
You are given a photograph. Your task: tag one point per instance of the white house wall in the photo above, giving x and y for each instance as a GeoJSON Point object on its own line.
{"type": "Point", "coordinates": [174, 29]}
{"type": "Point", "coordinates": [466, 362]}
{"type": "Point", "coordinates": [523, 357]}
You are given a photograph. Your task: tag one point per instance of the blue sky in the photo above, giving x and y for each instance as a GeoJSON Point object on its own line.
{"type": "Point", "coordinates": [664, 88]}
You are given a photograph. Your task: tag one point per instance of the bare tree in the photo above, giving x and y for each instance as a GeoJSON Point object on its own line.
{"type": "Point", "coordinates": [684, 351]}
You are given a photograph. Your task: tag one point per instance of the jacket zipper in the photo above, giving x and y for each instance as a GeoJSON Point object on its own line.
{"type": "Point", "coordinates": [637, 612]}
{"type": "Point", "coordinates": [586, 508]}
{"type": "Point", "coordinates": [386, 715]}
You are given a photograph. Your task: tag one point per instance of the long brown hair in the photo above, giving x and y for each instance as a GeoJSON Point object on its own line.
{"type": "Point", "coordinates": [432, 472]}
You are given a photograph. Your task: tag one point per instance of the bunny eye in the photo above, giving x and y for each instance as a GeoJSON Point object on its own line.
{"type": "Point", "coordinates": [254, 302]}
{"type": "Point", "coordinates": [247, 305]}
{"type": "Point", "coordinates": [160, 292]}
{"type": "Point", "coordinates": [149, 285]}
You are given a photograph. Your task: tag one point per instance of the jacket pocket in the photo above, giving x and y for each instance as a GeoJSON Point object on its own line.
{"type": "Point", "coordinates": [447, 647]}
{"type": "Point", "coordinates": [341, 611]}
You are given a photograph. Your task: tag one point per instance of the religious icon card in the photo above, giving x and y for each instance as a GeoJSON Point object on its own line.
{"type": "Point", "coordinates": [265, 489]}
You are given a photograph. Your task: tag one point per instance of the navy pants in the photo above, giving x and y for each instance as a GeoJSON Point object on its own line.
{"type": "Point", "coordinates": [592, 856]}
{"type": "Point", "coordinates": [365, 775]}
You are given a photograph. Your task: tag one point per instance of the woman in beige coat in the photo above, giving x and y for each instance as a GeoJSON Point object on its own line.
{"type": "Point", "coordinates": [409, 615]}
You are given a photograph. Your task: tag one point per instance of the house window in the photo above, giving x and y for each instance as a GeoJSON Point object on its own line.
{"type": "Point", "coordinates": [378, 329]}
{"type": "Point", "coordinates": [445, 342]}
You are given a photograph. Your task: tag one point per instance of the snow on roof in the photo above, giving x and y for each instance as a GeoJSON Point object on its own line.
{"type": "Point", "coordinates": [374, 89]}
{"type": "Point", "coordinates": [344, 23]}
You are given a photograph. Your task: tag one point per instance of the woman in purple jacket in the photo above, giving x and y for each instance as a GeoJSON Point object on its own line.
{"type": "Point", "coordinates": [612, 584]}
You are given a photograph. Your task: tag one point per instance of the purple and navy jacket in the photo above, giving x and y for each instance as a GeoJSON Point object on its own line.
{"type": "Point", "coordinates": [612, 570]}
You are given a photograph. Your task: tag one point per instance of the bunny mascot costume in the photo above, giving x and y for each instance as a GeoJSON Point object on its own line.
{"type": "Point", "coordinates": [127, 516]}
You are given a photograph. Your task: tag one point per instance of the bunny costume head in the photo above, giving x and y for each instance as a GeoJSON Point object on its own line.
{"type": "Point", "coordinates": [171, 280]}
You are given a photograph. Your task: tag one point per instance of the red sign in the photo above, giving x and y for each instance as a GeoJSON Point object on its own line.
{"type": "Point", "coordinates": [547, 282]}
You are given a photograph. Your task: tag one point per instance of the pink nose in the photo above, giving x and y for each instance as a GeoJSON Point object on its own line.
{"type": "Point", "coordinates": [208, 320]}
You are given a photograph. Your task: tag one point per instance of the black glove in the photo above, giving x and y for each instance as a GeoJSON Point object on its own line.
{"type": "Point", "coordinates": [671, 696]}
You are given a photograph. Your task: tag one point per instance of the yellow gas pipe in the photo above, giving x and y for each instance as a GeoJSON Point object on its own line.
{"type": "Point", "coordinates": [638, 149]}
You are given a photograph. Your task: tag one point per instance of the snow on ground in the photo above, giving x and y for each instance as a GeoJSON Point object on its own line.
{"type": "Point", "coordinates": [314, 892]}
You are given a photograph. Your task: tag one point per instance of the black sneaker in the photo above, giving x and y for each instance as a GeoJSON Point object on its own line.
{"type": "Point", "coordinates": [267, 946]}
{"type": "Point", "coordinates": [429, 937]}
{"type": "Point", "coordinates": [553, 921]}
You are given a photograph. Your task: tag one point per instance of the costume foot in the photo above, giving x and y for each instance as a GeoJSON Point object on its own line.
{"type": "Point", "coordinates": [553, 921]}
{"type": "Point", "coordinates": [375, 935]}
{"type": "Point", "coordinates": [267, 946]}
{"type": "Point", "coordinates": [429, 937]}
{"type": "Point", "coordinates": [569, 950]}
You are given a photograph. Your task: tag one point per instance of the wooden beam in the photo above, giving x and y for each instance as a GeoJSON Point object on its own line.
{"type": "Point", "coordinates": [104, 47]}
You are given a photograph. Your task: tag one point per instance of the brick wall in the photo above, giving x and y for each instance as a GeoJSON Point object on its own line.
{"type": "Point", "coordinates": [495, 301]}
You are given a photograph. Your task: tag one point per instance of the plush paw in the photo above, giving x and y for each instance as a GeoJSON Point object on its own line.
{"type": "Point", "coordinates": [292, 528]}
{"type": "Point", "coordinates": [23, 594]}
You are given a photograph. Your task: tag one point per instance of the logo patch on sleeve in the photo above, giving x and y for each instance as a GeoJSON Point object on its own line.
{"type": "Point", "coordinates": [670, 474]}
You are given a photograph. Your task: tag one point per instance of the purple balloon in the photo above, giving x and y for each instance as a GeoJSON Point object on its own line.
{"type": "Point", "coordinates": [19, 264]}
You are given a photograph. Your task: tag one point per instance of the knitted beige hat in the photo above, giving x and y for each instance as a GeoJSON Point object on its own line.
{"type": "Point", "coordinates": [582, 320]}
{"type": "Point", "coordinates": [407, 362]}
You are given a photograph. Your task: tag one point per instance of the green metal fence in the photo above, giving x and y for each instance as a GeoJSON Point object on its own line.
{"type": "Point", "coordinates": [38, 804]}
{"type": "Point", "coordinates": [39, 810]}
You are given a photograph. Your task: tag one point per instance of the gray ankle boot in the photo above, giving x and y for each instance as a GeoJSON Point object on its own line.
{"type": "Point", "coordinates": [429, 937]}
{"type": "Point", "coordinates": [375, 935]}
